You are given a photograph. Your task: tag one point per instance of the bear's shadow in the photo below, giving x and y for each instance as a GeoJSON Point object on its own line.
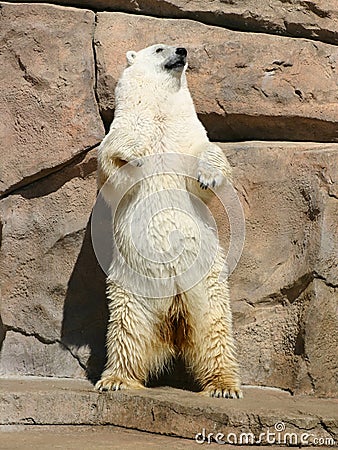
{"type": "Point", "coordinates": [85, 319]}
{"type": "Point", "coordinates": [85, 312]}
{"type": "Point", "coordinates": [176, 376]}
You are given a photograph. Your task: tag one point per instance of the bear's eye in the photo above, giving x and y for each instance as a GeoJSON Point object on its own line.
{"type": "Point", "coordinates": [159, 50]}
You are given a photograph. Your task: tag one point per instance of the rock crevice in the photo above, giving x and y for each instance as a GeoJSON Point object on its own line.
{"type": "Point", "coordinates": [56, 343]}
{"type": "Point", "coordinates": [25, 183]}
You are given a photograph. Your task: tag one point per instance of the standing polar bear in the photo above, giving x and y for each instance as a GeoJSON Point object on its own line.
{"type": "Point", "coordinates": [166, 296]}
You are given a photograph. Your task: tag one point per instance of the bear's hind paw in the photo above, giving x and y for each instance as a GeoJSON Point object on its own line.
{"type": "Point", "coordinates": [111, 383]}
{"type": "Point", "coordinates": [218, 392]}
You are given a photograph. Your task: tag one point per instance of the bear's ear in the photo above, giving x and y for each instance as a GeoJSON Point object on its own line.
{"type": "Point", "coordinates": [131, 55]}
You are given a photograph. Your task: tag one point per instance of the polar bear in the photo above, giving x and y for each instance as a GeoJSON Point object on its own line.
{"type": "Point", "coordinates": [155, 116]}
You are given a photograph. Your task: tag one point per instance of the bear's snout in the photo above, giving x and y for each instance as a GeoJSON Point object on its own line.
{"type": "Point", "coordinates": [181, 51]}
{"type": "Point", "coordinates": [177, 60]}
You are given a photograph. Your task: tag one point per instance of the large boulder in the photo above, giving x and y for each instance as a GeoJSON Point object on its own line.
{"type": "Point", "coordinates": [245, 86]}
{"type": "Point", "coordinates": [284, 289]}
{"type": "Point", "coordinates": [49, 121]}
{"type": "Point", "coordinates": [47, 101]}
{"type": "Point", "coordinates": [44, 242]}
{"type": "Point", "coordinates": [52, 289]}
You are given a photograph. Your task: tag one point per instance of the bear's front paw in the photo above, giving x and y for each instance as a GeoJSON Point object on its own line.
{"type": "Point", "coordinates": [208, 175]}
{"type": "Point", "coordinates": [222, 392]}
{"type": "Point", "coordinates": [112, 383]}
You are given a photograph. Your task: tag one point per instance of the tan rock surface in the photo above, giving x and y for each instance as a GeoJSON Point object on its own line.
{"type": "Point", "coordinates": [48, 110]}
{"type": "Point", "coordinates": [99, 437]}
{"type": "Point", "coordinates": [286, 192]}
{"type": "Point", "coordinates": [284, 308]}
{"type": "Point", "coordinates": [52, 290]}
{"type": "Point", "coordinates": [279, 305]}
{"type": "Point", "coordinates": [168, 411]}
{"type": "Point", "coordinates": [33, 355]}
{"type": "Point", "coordinates": [314, 19]}
{"type": "Point", "coordinates": [321, 339]}
{"type": "Point", "coordinates": [245, 86]}
{"type": "Point", "coordinates": [88, 438]}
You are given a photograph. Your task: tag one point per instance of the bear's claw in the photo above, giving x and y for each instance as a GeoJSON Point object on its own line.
{"type": "Point", "coordinates": [111, 383]}
{"type": "Point", "coordinates": [213, 391]}
{"type": "Point", "coordinates": [208, 176]}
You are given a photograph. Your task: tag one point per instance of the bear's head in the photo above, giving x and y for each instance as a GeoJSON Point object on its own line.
{"type": "Point", "coordinates": [159, 58]}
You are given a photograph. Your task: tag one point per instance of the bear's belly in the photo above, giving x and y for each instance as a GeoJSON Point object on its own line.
{"type": "Point", "coordinates": [160, 236]}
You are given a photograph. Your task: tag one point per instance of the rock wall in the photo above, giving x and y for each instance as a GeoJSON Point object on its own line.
{"type": "Point", "coordinates": [266, 73]}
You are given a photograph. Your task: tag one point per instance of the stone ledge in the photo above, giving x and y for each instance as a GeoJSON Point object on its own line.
{"type": "Point", "coordinates": [302, 19]}
{"type": "Point", "coordinates": [41, 401]}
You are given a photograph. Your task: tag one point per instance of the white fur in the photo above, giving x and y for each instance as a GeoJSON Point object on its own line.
{"type": "Point", "coordinates": [155, 115]}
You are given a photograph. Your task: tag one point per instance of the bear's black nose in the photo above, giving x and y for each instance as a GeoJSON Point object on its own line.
{"type": "Point", "coordinates": [181, 51]}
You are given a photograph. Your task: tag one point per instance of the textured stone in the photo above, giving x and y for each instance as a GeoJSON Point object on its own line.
{"type": "Point", "coordinates": [245, 86]}
{"type": "Point", "coordinates": [27, 355]}
{"type": "Point", "coordinates": [279, 289]}
{"type": "Point", "coordinates": [166, 411]}
{"type": "Point", "coordinates": [286, 192]}
{"type": "Point", "coordinates": [86, 437]}
{"type": "Point", "coordinates": [321, 339]}
{"type": "Point", "coordinates": [314, 19]}
{"type": "Point", "coordinates": [326, 266]}
{"type": "Point", "coordinates": [51, 285]}
{"type": "Point", "coordinates": [48, 109]}
{"type": "Point", "coordinates": [283, 187]}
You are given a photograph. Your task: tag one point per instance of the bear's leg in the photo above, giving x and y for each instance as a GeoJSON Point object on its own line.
{"type": "Point", "coordinates": [133, 350]}
{"type": "Point", "coordinates": [210, 353]}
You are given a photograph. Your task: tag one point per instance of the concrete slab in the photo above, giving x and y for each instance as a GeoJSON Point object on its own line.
{"type": "Point", "coordinates": [68, 437]}
{"type": "Point", "coordinates": [86, 438]}
{"type": "Point", "coordinates": [264, 416]}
